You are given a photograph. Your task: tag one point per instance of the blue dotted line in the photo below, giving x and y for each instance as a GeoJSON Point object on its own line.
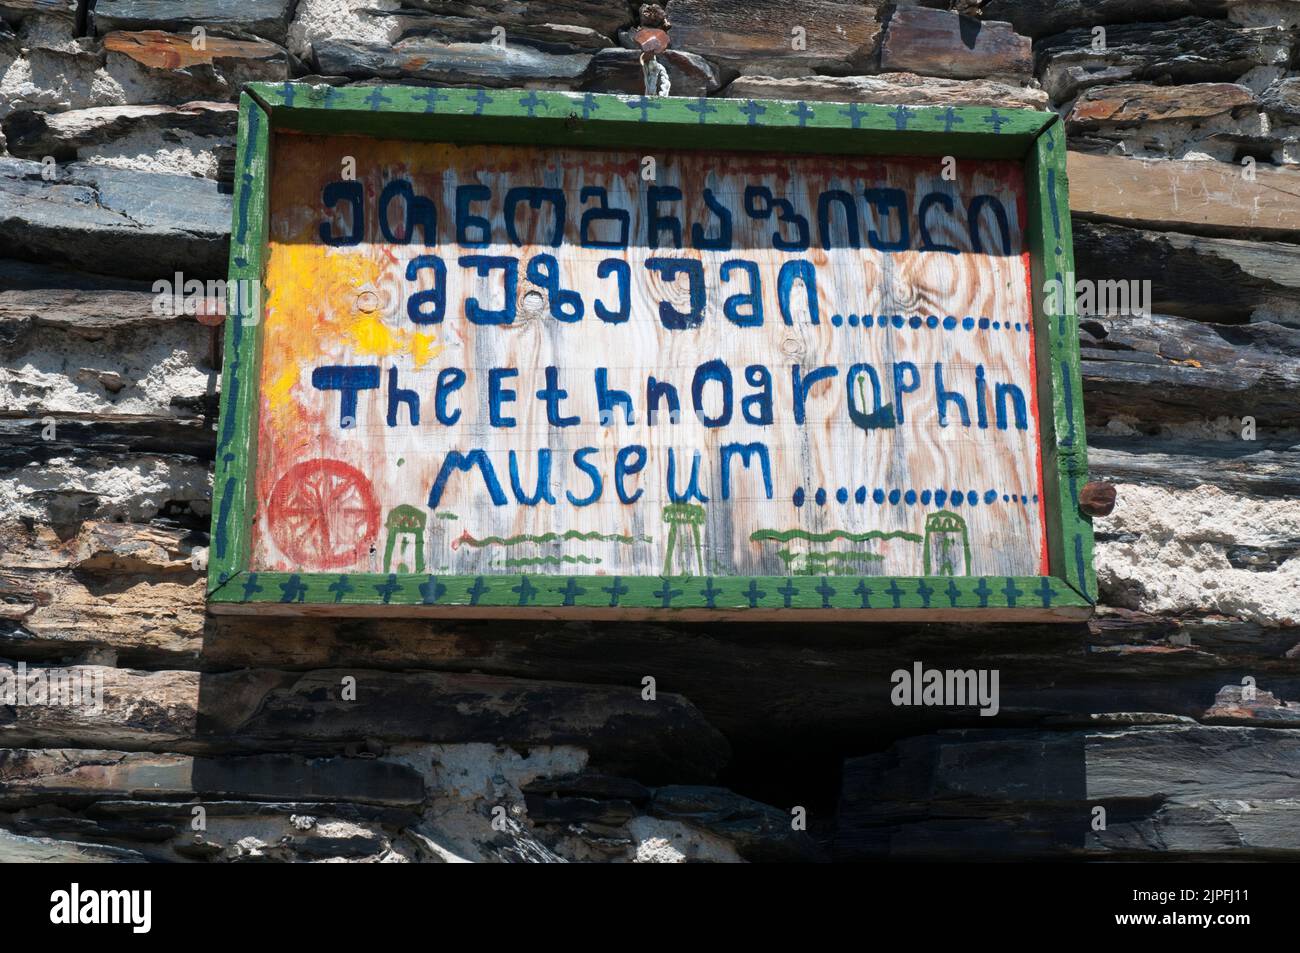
{"type": "Point", "coordinates": [949, 323]}
{"type": "Point", "coordinates": [895, 496]}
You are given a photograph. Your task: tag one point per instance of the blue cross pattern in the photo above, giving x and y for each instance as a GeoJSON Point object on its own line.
{"type": "Point", "coordinates": [388, 587]}
{"type": "Point", "coordinates": [477, 591]}
{"type": "Point", "coordinates": [953, 592]}
{"type": "Point", "coordinates": [377, 98]}
{"type": "Point", "coordinates": [1011, 590]}
{"type": "Point", "coordinates": [925, 592]}
{"type": "Point", "coordinates": [709, 593]}
{"type": "Point", "coordinates": [825, 590]}
{"type": "Point", "coordinates": [589, 105]}
{"type": "Point", "coordinates": [1045, 591]}
{"type": "Point", "coordinates": [571, 591]}
{"type": "Point", "coordinates": [667, 593]}
{"type": "Point", "coordinates": [950, 119]}
{"type": "Point", "coordinates": [531, 102]}
{"type": "Point", "coordinates": [864, 592]}
{"type": "Point", "coordinates": [431, 98]}
{"type": "Point", "coordinates": [996, 121]}
{"type": "Point", "coordinates": [432, 591]}
{"type": "Point", "coordinates": [895, 592]}
{"type": "Point", "coordinates": [616, 591]}
{"type": "Point", "coordinates": [525, 591]}
{"type": "Point", "coordinates": [341, 587]}
{"type": "Point", "coordinates": [788, 591]}
{"type": "Point", "coordinates": [900, 115]}
{"type": "Point", "coordinates": [293, 590]}
{"type": "Point", "coordinates": [703, 107]}
{"type": "Point", "coordinates": [753, 110]}
{"type": "Point", "coordinates": [754, 594]}
{"type": "Point", "coordinates": [983, 591]}
{"type": "Point", "coordinates": [251, 587]}
{"type": "Point", "coordinates": [482, 98]}
{"type": "Point", "coordinates": [287, 93]}
{"type": "Point", "coordinates": [803, 113]}
{"type": "Point", "coordinates": [645, 104]}
{"type": "Point", "coordinates": [855, 115]}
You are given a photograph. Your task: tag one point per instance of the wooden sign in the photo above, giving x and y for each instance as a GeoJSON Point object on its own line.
{"type": "Point", "coordinates": [520, 353]}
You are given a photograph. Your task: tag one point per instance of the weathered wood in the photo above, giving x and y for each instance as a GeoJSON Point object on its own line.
{"type": "Point", "coordinates": [1210, 279]}
{"type": "Point", "coordinates": [889, 89]}
{"type": "Point", "coordinates": [751, 526]}
{"type": "Point", "coordinates": [1183, 789]}
{"type": "Point", "coordinates": [113, 221]}
{"type": "Point", "coordinates": [1132, 104]}
{"type": "Point", "coordinates": [265, 18]}
{"type": "Point", "coordinates": [1211, 198]}
{"type": "Point", "coordinates": [1189, 50]}
{"type": "Point", "coordinates": [840, 36]}
{"type": "Point", "coordinates": [1161, 368]}
{"type": "Point", "coordinates": [940, 43]}
{"type": "Point", "coordinates": [258, 710]}
{"type": "Point", "coordinates": [71, 775]}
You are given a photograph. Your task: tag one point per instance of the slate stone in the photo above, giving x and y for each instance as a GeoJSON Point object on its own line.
{"type": "Point", "coordinates": [113, 221]}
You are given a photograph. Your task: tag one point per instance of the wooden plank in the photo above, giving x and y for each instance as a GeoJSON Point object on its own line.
{"type": "Point", "coordinates": [1206, 197]}
{"type": "Point", "coordinates": [590, 119]}
{"type": "Point", "coordinates": [301, 582]}
{"type": "Point", "coordinates": [236, 442]}
{"type": "Point", "coordinates": [1065, 452]}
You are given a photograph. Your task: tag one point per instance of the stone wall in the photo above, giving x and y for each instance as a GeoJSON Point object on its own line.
{"type": "Point", "coordinates": [1177, 708]}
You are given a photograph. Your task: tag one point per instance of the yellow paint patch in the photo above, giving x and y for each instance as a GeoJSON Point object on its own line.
{"type": "Point", "coordinates": [313, 295]}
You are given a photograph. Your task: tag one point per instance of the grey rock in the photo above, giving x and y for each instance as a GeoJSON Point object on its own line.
{"type": "Point", "coordinates": [619, 71]}
{"type": "Point", "coordinates": [478, 64]}
{"type": "Point", "coordinates": [265, 18]}
{"type": "Point", "coordinates": [1189, 50]}
{"type": "Point", "coordinates": [113, 221]}
{"type": "Point", "coordinates": [889, 89]}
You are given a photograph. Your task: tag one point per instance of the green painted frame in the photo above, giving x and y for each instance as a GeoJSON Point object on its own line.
{"type": "Point", "coordinates": [587, 119]}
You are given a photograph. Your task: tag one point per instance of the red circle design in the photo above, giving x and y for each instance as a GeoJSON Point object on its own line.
{"type": "Point", "coordinates": [323, 514]}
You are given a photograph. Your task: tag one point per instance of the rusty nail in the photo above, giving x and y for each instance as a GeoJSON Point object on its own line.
{"type": "Point", "coordinates": [211, 317]}
{"type": "Point", "coordinates": [1097, 498]}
